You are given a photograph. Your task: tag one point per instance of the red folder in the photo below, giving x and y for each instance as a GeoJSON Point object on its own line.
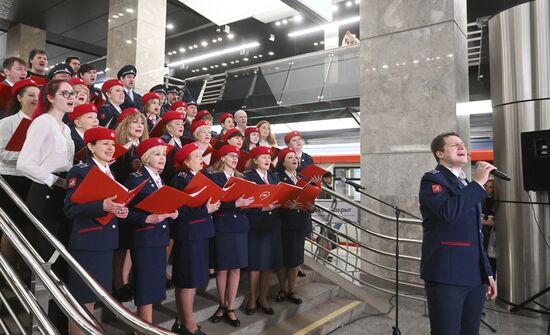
{"type": "Point", "coordinates": [202, 189]}
{"type": "Point", "coordinates": [19, 136]}
{"type": "Point", "coordinates": [98, 186]}
{"type": "Point", "coordinates": [313, 171]}
{"type": "Point", "coordinates": [119, 151]}
{"type": "Point", "coordinates": [263, 194]}
{"type": "Point", "coordinates": [308, 195]}
{"type": "Point", "coordinates": [288, 192]}
{"type": "Point", "coordinates": [216, 144]}
{"type": "Point", "coordinates": [158, 129]}
{"type": "Point", "coordinates": [165, 200]}
{"type": "Point", "coordinates": [243, 158]}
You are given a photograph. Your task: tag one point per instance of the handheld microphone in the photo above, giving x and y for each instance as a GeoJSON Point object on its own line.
{"type": "Point", "coordinates": [352, 183]}
{"type": "Point", "coordinates": [500, 175]}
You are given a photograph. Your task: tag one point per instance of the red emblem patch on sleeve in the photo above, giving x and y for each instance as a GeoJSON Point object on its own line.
{"type": "Point", "coordinates": [71, 183]}
{"type": "Point", "coordinates": [103, 116]}
{"type": "Point", "coordinates": [436, 188]}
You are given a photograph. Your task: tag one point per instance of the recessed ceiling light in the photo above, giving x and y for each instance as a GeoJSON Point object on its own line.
{"type": "Point", "coordinates": [115, 16]}
{"type": "Point", "coordinates": [260, 55]}
{"type": "Point", "coordinates": [285, 21]}
{"type": "Point", "coordinates": [204, 68]}
{"type": "Point", "coordinates": [120, 14]}
{"type": "Point", "coordinates": [211, 66]}
{"type": "Point", "coordinates": [232, 62]}
{"type": "Point", "coordinates": [216, 65]}
{"type": "Point", "coordinates": [322, 42]}
{"type": "Point", "coordinates": [129, 41]}
{"type": "Point", "coordinates": [129, 10]}
{"type": "Point", "coordinates": [182, 49]}
{"type": "Point", "coordinates": [204, 43]}
{"type": "Point", "coordinates": [278, 23]}
{"type": "Point", "coordinates": [221, 39]}
{"type": "Point", "coordinates": [236, 61]}
{"type": "Point", "coordinates": [255, 56]}
{"type": "Point", "coordinates": [230, 35]}
{"type": "Point", "coordinates": [245, 59]}
{"type": "Point", "coordinates": [334, 8]}
{"type": "Point", "coordinates": [298, 18]}
{"type": "Point", "coordinates": [316, 44]}
{"type": "Point", "coordinates": [357, 2]}
{"type": "Point", "coordinates": [169, 26]}
{"type": "Point", "coordinates": [348, 4]}
{"type": "Point", "coordinates": [224, 64]}
{"type": "Point", "coordinates": [195, 46]}
{"type": "Point", "coordinates": [271, 53]}
{"type": "Point", "coordinates": [214, 41]}
{"type": "Point", "coordinates": [190, 47]}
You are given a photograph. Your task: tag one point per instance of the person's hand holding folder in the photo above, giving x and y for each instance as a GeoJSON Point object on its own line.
{"type": "Point", "coordinates": [119, 210]}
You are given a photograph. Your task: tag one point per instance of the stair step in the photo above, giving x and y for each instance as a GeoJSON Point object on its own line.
{"type": "Point", "coordinates": [322, 319]}
{"type": "Point", "coordinates": [313, 295]}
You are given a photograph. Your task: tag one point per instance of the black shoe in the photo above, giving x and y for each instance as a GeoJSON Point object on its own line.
{"type": "Point", "coordinates": [234, 323]}
{"type": "Point", "coordinates": [176, 327]}
{"type": "Point", "coordinates": [292, 297]}
{"type": "Point", "coordinates": [212, 275]}
{"type": "Point", "coordinates": [280, 296]}
{"type": "Point", "coordinates": [266, 310]}
{"type": "Point", "coordinates": [217, 318]}
{"type": "Point", "coordinates": [123, 294]}
{"type": "Point", "coordinates": [250, 311]}
{"type": "Point", "coordinates": [301, 273]}
{"type": "Point", "coordinates": [187, 332]}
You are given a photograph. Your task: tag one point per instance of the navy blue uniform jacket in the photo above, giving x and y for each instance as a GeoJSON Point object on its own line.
{"type": "Point", "coordinates": [86, 232]}
{"type": "Point", "coordinates": [144, 234]}
{"type": "Point", "coordinates": [169, 172]}
{"type": "Point", "coordinates": [260, 220]}
{"type": "Point", "coordinates": [128, 103]}
{"type": "Point", "coordinates": [108, 116]}
{"type": "Point", "coordinates": [292, 218]}
{"type": "Point", "coordinates": [452, 248]}
{"type": "Point", "coordinates": [228, 219]}
{"type": "Point", "coordinates": [305, 160]}
{"type": "Point", "coordinates": [78, 141]}
{"type": "Point", "coordinates": [193, 223]}
{"type": "Point", "coordinates": [122, 167]}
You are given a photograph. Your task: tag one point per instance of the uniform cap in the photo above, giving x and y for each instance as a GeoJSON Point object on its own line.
{"type": "Point", "coordinates": [257, 151]}
{"type": "Point", "coordinates": [198, 124]}
{"type": "Point", "coordinates": [201, 113]}
{"type": "Point", "coordinates": [185, 151]}
{"type": "Point", "coordinates": [160, 88]}
{"type": "Point", "coordinates": [224, 116]}
{"type": "Point", "coordinates": [251, 130]}
{"type": "Point", "coordinates": [148, 144]}
{"type": "Point", "coordinates": [60, 68]}
{"type": "Point", "coordinates": [231, 133]}
{"type": "Point", "coordinates": [290, 135]}
{"type": "Point", "coordinates": [22, 83]}
{"type": "Point", "coordinates": [99, 133]}
{"type": "Point", "coordinates": [81, 110]}
{"type": "Point", "coordinates": [126, 69]}
{"type": "Point", "coordinates": [127, 112]}
{"type": "Point", "coordinates": [178, 104]}
{"type": "Point", "coordinates": [110, 83]}
{"type": "Point", "coordinates": [148, 96]}
{"type": "Point", "coordinates": [282, 154]}
{"type": "Point", "coordinates": [227, 149]}
{"type": "Point", "coordinates": [77, 81]}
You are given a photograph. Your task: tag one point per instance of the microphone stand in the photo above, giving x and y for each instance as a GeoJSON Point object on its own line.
{"type": "Point", "coordinates": [398, 212]}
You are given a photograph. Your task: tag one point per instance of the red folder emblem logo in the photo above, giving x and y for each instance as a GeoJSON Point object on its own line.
{"type": "Point", "coordinates": [436, 188]}
{"type": "Point", "coordinates": [72, 183]}
{"type": "Point", "coordinates": [264, 195]}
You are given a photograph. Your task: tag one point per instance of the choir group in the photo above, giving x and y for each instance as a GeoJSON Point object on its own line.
{"type": "Point", "coordinates": [59, 131]}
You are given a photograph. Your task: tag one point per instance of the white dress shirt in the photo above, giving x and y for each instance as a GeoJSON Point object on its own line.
{"type": "Point", "coordinates": [8, 159]}
{"type": "Point", "coordinates": [263, 176]}
{"type": "Point", "coordinates": [292, 177]}
{"type": "Point", "coordinates": [155, 176]}
{"type": "Point", "coordinates": [47, 150]}
{"type": "Point", "coordinates": [104, 168]}
{"type": "Point", "coordinates": [264, 143]}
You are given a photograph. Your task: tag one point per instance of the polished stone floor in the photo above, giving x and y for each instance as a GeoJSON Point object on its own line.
{"type": "Point", "coordinates": [413, 321]}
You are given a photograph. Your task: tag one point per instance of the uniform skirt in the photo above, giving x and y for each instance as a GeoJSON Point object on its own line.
{"type": "Point", "coordinates": [230, 251]}
{"type": "Point", "coordinates": [264, 250]}
{"type": "Point", "coordinates": [190, 263]}
{"type": "Point", "coordinates": [149, 268]}
{"type": "Point", "coordinates": [99, 264]}
{"type": "Point", "coordinates": [293, 247]}
{"type": "Point", "coordinates": [124, 235]}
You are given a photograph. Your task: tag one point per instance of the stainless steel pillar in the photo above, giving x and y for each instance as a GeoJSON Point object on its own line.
{"type": "Point", "coordinates": [519, 42]}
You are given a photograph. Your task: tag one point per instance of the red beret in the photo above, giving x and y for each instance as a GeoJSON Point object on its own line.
{"type": "Point", "coordinates": [126, 112]}
{"type": "Point", "coordinates": [172, 115]}
{"type": "Point", "coordinates": [148, 96]}
{"type": "Point", "coordinates": [227, 149]}
{"type": "Point", "coordinates": [185, 151]}
{"type": "Point", "coordinates": [77, 81]}
{"type": "Point", "coordinates": [231, 133]}
{"type": "Point", "coordinates": [282, 154]}
{"type": "Point", "coordinates": [290, 135]}
{"type": "Point", "coordinates": [257, 151]}
{"type": "Point", "coordinates": [22, 83]}
{"type": "Point", "coordinates": [197, 124]}
{"type": "Point", "coordinates": [251, 130]}
{"type": "Point", "coordinates": [224, 116]}
{"type": "Point", "coordinates": [201, 113]}
{"type": "Point", "coordinates": [110, 83]}
{"type": "Point", "coordinates": [178, 104]}
{"type": "Point", "coordinates": [148, 144]}
{"type": "Point", "coordinates": [81, 110]}
{"type": "Point", "coordinates": [99, 133]}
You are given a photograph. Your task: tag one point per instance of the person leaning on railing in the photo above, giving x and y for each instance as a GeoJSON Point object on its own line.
{"type": "Point", "coordinates": [91, 243]}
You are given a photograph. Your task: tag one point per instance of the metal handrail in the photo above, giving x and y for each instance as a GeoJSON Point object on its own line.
{"type": "Point", "coordinates": [368, 210]}
{"type": "Point", "coordinates": [24, 295]}
{"type": "Point", "coordinates": [6, 225]}
{"type": "Point", "coordinates": [364, 246]}
{"type": "Point", "coordinates": [113, 305]}
{"type": "Point", "coordinates": [368, 231]}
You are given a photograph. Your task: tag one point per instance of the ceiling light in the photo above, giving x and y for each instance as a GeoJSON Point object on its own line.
{"type": "Point", "coordinates": [224, 64]}
{"type": "Point", "coordinates": [195, 46]}
{"type": "Point", "coordinates": [255, 56]}
{"type": "Point", "coordinates": [270, 53]}
{"type": "Point", "coordinates": [322, 42]}
{"type": "Point", "coordinates": [357, 2]}
{"type": "Point", "coordinates": [204, 68]}
{"type": "Point", "coordinates": [334, 8]}
{"type": "Point", "coordinates": [245, 59]}
{"type": "Point", "coordinates": [216, 65]}
{"type": "Point", "coordinates": [232, 62]}
{"type": "Point", "coordinates": [190, 47]}
{"type": "Point", "coordinates": [215, 54]}
{"type": "Point", "coordinates": [129, 10]}
{"type": "Point", "coordinates": [348, 4]}
{"type": "Point", "coordinates": [204, 43]}
{"type": "Point", "coordinates": [230, 36]}
{"type": "Point", "coordinates": [120, 14]}
{"type": "Point", "coordinates": [278, 23]}
{"type": "Point", "coordinates": [285, 21]}
{"type": "Point", "coordinates": [260, 55]}
{"type": "Point", "coordinates": [115, 16]}
{"type": "Point", "coordinates": [182, 49]}
{"type": "Point", "coordinates": [324, 26]}
{"type": "Point", "coordinates": [211, 66]}
{"type": "Point", "coordinates": [214, 41]}
{"type": "Point", "coordinates": [236, 61]}
{"type": "Point", "coordinates": [169, 26]}
{"type": "Point", "coordinates": [474, 107]}
{"type": "Point", "coordinates": [316, 44]}
{"type": "Point", "coordinates": [298, 18]}
{"type": "Point", "coordinates": [129, 41]}
{"type": "Point", "coordinates": [220, 39]}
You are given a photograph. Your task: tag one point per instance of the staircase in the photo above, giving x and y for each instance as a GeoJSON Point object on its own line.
{"type": "Point", "coordinates": [327, 304]}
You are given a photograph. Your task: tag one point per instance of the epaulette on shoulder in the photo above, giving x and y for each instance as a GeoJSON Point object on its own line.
{"type": "Point", "coordinates": [82, 165]}
{"type": "Point", "coordinates": [433, 172]}
{"type": "Point", "coordinates": [136, 174]}
{"type": "Point", "coordinates": [182, 174]}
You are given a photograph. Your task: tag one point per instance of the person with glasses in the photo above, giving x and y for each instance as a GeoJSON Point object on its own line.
{"type": "Point", "coordinates": [108, 113]}
{"type": "Point", "coordinates": [45, 158]}
{"type": "Point", "coordinates": [230, 246]}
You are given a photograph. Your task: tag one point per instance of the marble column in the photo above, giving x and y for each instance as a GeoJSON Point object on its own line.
{"type": "Point", "coordinates": [413, 73]}
{"type": "Point", "coordinates": [136, 35]}
{"type": "Point", "coordinates": [22, 39]}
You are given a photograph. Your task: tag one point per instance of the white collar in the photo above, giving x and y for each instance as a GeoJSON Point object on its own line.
{"type": "Point", "coordinates": [458, 173]}
{"type": "Point", "coordinates": [152, 172]}
{"type": "Point", "coordinates": [128, 90]}
{"type": "Point", "coordinates": [81, 134]}
{"type": "Point", "coordinates": [262, 175]}
{"type": "Point", "coordinates": [9, 82]}
{"type": "Point", "coordinates": [104, 168]}
{"type": "Point", "coordinates": [22, 115]}
{"type": "Point", "coordinates": [228, 176]}
{"type": "Point", "coordinates": [292, 176]}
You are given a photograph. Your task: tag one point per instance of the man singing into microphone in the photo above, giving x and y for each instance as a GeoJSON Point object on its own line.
{"type": "Point", "coordinates": [454, 264]}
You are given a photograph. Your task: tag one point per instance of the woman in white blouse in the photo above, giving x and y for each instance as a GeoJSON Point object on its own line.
{"type": "Point", "coordinates": [267, 139]}
{"type": "Point", "coordinates": [21, 106]}
{"type": "Point", "coordinates": [46, 156]}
